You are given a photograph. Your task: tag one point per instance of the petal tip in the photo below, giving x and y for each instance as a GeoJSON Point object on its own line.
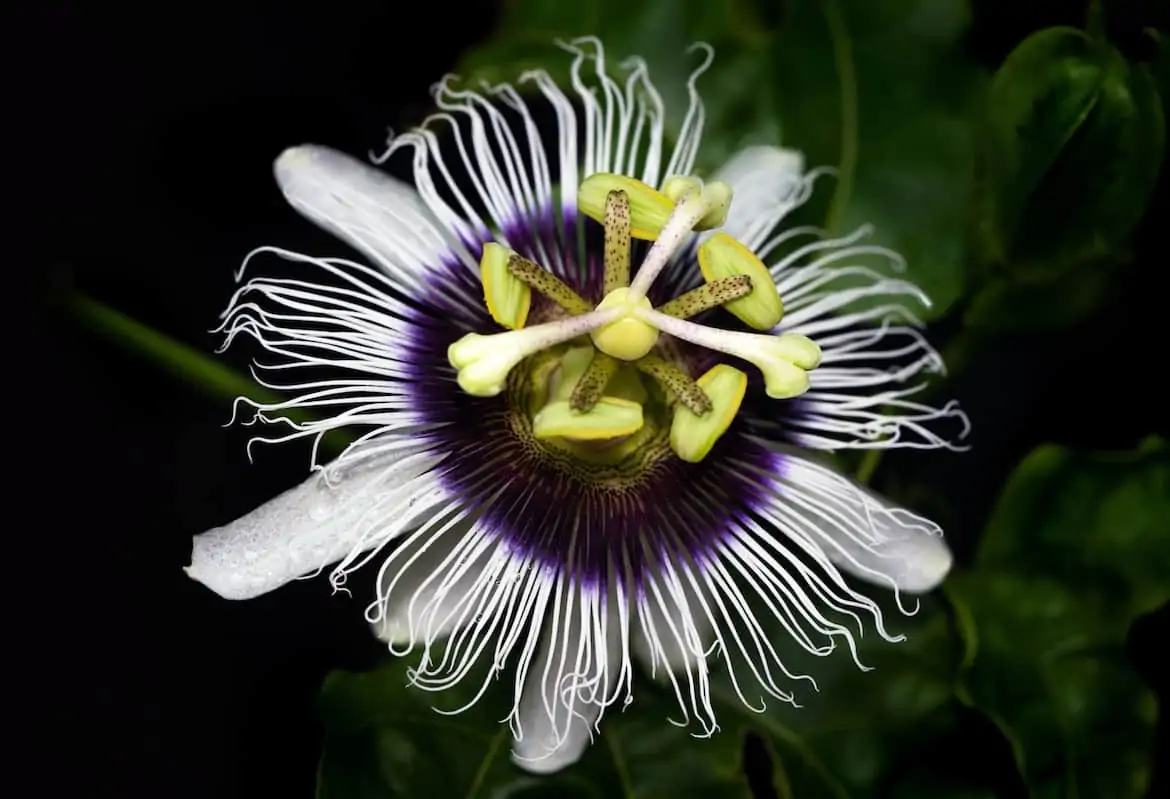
{"type": "Point", "coordinates": [792, 159]}
{"type": "Point", "coordinates": [927, 569]}
{"type": "Point", "coordinates": [391, 632]}
{"type": "Point", "coordinates": [781, 159]}
{"type": "Point", "coordinates": [204, 570]}
{"type": "Point", "coordinates": [293, 159]}
{"type": "Point", "coordinates": [295, 163]}
{"type": "Point", "coordinates": [764, 158]}
{"type": "Point", "coordinates": [549, 762]}
{"type": "Point", "coordinates": [218, 583]}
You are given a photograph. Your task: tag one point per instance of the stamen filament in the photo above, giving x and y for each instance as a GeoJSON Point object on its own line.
{"type": "Point", "coordinates": [687, 213]}
{"type": "Point", "coordinates": [484, 361]}
{"type": "Point", "coordinates": [548, 284]}
{"type": "Point", "coordinates": [677, 382]}
{"type": "Point", "coordinates": [591, 386]}
{"type": "Point", "coordinates": [783, 360]}
{"type": "Point", "coordinates": [617, 240]}
{"type": "Point", "coordinates": [708, 296]}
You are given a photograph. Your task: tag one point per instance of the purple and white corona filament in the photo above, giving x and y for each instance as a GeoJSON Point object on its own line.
{"type": "Point", "coordinates": [585, 380]}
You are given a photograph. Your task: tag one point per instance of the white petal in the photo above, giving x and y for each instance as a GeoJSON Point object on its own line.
{"type": "Point", "coordinates": [307, 527]}
{"type": "Point", "coordinates": [673, 636]}
{"type": "Point", "coordinates": [556, 725]}
{"type": "Point", "coordinates": [866, 535]}
{"type": "Point", "coordinates": [673, 633]}
{"type": "Point", "coordinates": [539, 752]}
{"type": "Point", "coordinates": [766, 183]}
{"type": "Point", "coordinates": [422, 597]}
{"type": "Point", "coordinates": [378, 215]}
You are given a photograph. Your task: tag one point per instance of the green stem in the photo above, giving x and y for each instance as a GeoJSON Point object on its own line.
{"type": "Point", "coordinates": [790, 738]}
{"type": "Point", "coordinates": [843, 60]}
{"type": "Point", "coordinates": [869, 464]}
{"type": "Point", "coordinates": [183, 362]}
{"type": "Point", "coordinates": [1095, 21]}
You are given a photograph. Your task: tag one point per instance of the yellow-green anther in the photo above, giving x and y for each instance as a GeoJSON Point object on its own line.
{"type": "Point", "coordinates": [783, 360]}
{"type": "Point", "coordinates": [627, 338]}
{"type": "Point", "coordinates": [717, 199]}
{"type": "Point", "coordinates": [572, 367]}
{"type": "Point", "coordinates": [677, 382]}
{"type": "Point", "coordinates": [649, 208]}
{"type": "Point", "coordinates": [548, 284]}
{"type": "Point", "coordinates": [721, 257]}
{"type": "Point", "coordinates": [800, 350]}
{"type": "Point", "coordinates": [692, 436]}
{"type": "Point", "coordinates": [677, 186]}
{"type": "Point", "coordinates": [617, 240]}
{"type": "Point", "coordinates": [708, 296]}
{"type": "Point", "coordinates": [782, 379]}
{"type": "Point", "coordinates": [591, 385]}
{"type": "Point", "coordinates": [609, 418]}
{"type": "Point", "coordinates": [508, 298]}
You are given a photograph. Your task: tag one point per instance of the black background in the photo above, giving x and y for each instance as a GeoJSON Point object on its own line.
{"type": "Point", "coordinates": [142, 139]}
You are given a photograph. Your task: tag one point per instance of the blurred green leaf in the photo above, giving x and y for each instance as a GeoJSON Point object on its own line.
{"type": "Point", "coordinates": [1075, 550]}
{"type": "Point", "coordinates": [660, 33]}
{"type": "Point", "coordinates": [864, 733]}
{"type": "Point", "coordinates": [1014, 304]}
{"type": "Point", "coordinates": [884, 90]}
{"type": "Point", "coordinates": [1039, 98]}
{"type": "Point", "coordinates": [1090, 520]}
{"type": "Point", "coordinates": [880, 89]}
{"type": "Point", "coordinates": [1161, 70]}
{"type": "Point", "coordinates": [384, 739]}
{"type": "Point", "coordinates": [1069, 158]}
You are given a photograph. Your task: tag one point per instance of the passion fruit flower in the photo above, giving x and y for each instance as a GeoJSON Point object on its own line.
{"type": "Point", "coordinates": [570, 463]}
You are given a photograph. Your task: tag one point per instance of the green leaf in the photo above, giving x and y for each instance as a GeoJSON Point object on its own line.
{"type": "Point", "coordinates": [1161, 70]}
{"type": "Point", "coordinates": [1075, 550]}
{"type": "Point", "coordinates": [1041, 95]}
{"type": "Point", "coordinates": [659, 32]}
{"type": "Point", "coordinates": [1089, 520]}
{"type": "Point", "coordinates": [1069, 158]}
{"type": "Point", "coordinates": [1097, 192]}
{"type": "Point", "coordinates": [884, 91]}
{"type": "Point", "coordinates": [862, 733]}
{"type": "Point", "coordinates": [880, 89]}
{"type": "Point", "coordinates": [1010, 304]}
{"type": "Point", "coordinates": [384, 739]}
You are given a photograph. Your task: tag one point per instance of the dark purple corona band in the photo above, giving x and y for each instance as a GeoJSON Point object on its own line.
{"type": "Point", "coordinates": [565, 516]}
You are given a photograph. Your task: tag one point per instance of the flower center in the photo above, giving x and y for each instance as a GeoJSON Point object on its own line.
{"type": "Point", "coordinates": [602, 446]}
{"type": "Point", "coordinates": [596, 397]}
